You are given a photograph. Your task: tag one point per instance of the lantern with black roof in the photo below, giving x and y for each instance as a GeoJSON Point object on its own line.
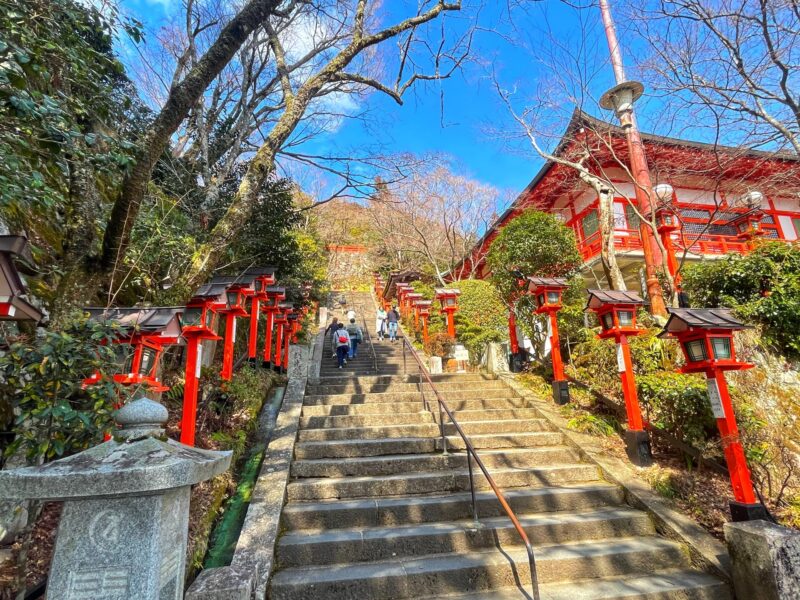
{"type": "Point", "coordinates": [263, 278]}
{"type": "Point", "coordinates": [198, 322]}
{"type": "Point", "coordinates": [617, 313]}
{"type": "Point", "coordinates": [146, 332]}
{"type": "Point", "coordinates": [706, 338]}
{"type": "Point", "coordinates": [547, 292]}
{"type": "Point", "coordinates": [15, 254]}
{"type": "Point", "coordinates": [271, 307]}
{"type": "Point", "coordinates": [281, 322]}
{"type": "Point", "coordinates": [424, 309]}
{"type": "Point", "coordinates": [448, 298]}
{"type": "Point", "coordinates": [401, 289]}
{"type": "Point", "coordinates": [238, 289]}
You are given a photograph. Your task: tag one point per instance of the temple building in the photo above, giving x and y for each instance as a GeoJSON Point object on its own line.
{"type": "Point", "coordinates": [718, 199]}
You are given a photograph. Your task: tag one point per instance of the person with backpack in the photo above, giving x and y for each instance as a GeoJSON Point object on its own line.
{"type": "Point", "coordinates": [392, 319]}
{"type": "Point", "coordinates": [380, 323]}
{"type": "Point", "coordinates": [356, 336]}
{"type": "Point", "coordinates": [331, 329]}
{"type": "Point", "coordinates": [342, 338]}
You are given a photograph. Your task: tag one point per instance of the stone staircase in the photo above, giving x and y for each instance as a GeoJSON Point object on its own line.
{"type": "Point", "coordinates": [376, 511]}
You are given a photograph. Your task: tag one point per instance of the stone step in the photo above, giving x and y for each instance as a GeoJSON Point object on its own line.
{"type": "Point", "coordinates": [437, 482]}
{"type": "Point", "coordinates": [424, 430]}
{"type": "Point", "coordinates": [354, 387]}
{"type": "Point", "coordinates": [366, 420]}
{"type": "Point", "coordinates": [459, 378]}
{"type": "Point", "coordinates": [350, 545]}
{"type": "Point", "coordinates": [476, 571]}
{"type": "Point", "coordinates": [504, 440]}
{"type": "Point", "coordinates": [431, 509]}
{"type": "Point", "coordinates": [430, 429]}
{"type": "Point", "coordinates": [361, 447]}
{"type": "Point", "coordinates": [673, 584]}
{"type": "Point", "coordinates": [409, 463]}
{"type": "Point", "coordinates": [450, 397]}
{"type": "Point", "coordinates": [381, 407]}
{"type": "Point", "coordinates": [463, 416]}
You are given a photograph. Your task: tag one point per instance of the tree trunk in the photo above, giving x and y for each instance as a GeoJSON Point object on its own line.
{"type": "Point", "coordinates": [608, 253]}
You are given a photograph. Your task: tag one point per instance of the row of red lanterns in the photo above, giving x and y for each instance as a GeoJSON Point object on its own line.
{"type": "Point", "coordinates": [706, 338]}
{"type": "Point", "coordinates": [411, 303]}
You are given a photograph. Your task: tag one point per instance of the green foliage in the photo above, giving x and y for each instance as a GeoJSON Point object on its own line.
{"type": "Point", "coordinates": [535, 244]}
{"type": "Point", "coordinates": [66, 106]}
{"type": "Point", "coordinates": [585, 422]}
{"type": "Point", "coordinates": [762, 286]}
{"type": "Point", "coordinates": [482, 317]}
{"type": "Point", "coordinates": [678, 404]}
{"type": "Point", "coordinates": [43, 400]}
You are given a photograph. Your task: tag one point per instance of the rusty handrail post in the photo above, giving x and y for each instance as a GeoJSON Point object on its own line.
{"type": "Point", "coordinates": [443, 408]}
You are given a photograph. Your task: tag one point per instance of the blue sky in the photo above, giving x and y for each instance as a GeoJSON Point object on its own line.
{"type": "Point", "coordinates": [466, 128]}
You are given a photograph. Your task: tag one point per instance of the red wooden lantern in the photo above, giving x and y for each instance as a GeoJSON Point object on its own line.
{"type": "Point", "coordinates": [147, 332]}
{"type": "Point", "coordinates": [424, 310]}
{"type": "Point", "coordinates": [263, 277]}
{"type": "Point", "coordinates": [281, 321]}
{"type": "Point", "coordinates": [411, 299]}
{"type": "Point", "coordinates": [292, 328]}
{"type": "Point", "coordinates": [198, 322]}
{"type": "Point", "coordinates": [238, 290]}
{"type": "Point", "coordinates": [401, 289]}
{"type": "Point", "coordinates": [13, 304]}
{"type": "Point", "coordinates": [270, 306]}
{"type": "Point", "coordinates": [547, 292]}
{"type": "Point", "coordinates": [449, 300]}
{"type": "Point", "coordinates": [617, 313]}
{"type": "Point", "coordinates": [706, 338]}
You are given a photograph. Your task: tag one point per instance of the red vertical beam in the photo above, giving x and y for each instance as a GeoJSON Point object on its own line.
{"type": "Point", "coordinates": [194, 356]}
{"type": "Point", "coordinates": [286, 339]}
{"type": "Point", "coordinates": [425, 328]}
{"type": "Point", "coordinates": [268, 340]}
{"type": "Point", "coordinates": [741, 481]}
{"type": "Point", "coordinates": [512, 332]}
{"type": "Point", "coordinates": [227, 351]}
{"type": "Point", "coordinates": [252, 344]}
{"type": "Point", "coordinates": [451, 323]}
{"type": "Point", "coordinates": [625, 367]}
{"type": "Point", "coordinates": [278, 344]}
{"type": "Point", "coordinates": [555, 348]}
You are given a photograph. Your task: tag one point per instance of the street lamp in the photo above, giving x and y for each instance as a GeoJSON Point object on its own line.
{"type": "Point", "coordinates": [547, 292]}
{"type": "Point", "coordinates": [616, 311]}
{"type": "Point", "coordinates": [706, 338]}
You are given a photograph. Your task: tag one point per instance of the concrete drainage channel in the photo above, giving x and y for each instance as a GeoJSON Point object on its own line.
{"type": "Point", "coordinates": [226, 533]}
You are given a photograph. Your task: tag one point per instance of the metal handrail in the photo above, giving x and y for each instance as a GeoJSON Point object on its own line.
{"type": "Point", "coordinates": [371, 345]}
{"type": "Point", "coordinates": [471, 454]}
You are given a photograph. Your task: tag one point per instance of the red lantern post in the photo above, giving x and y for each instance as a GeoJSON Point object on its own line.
{"type": "Point", "coordinates": [449, 301]}
{"type": "Point", "coordinates": [401, 289]}
{"type": "Point", "coordinates": [281, 323]}
{"type": "Point", "coordinates": [264, 277]}
{"type": "Point", "coordinates": [424, 309]}
{"type": "Point", "coordinates": [291, 326]}
{"type": "Point", "coordinates": [412, 298]}
{"type": "Point", "coordinates": [706, 338]}
{"type": "Point", "coordinates": [236, 296]}
{"type": "Point", "coordinates": [548, 292]}
{"type": "Point", "coordinates": [270, 307]}
{"type": "Point", "coordinates": [617, 313]}
{"type": "Point", "coordinates": [198, 322]}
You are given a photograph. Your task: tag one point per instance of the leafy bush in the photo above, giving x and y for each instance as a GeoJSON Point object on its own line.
{"type": "Point", "coordinates": [439, 344]}
{"type": "Point", "coordinates": [43, 400]}
{"type": "Point", "coordinates": [762, 286]}
{"type": "Point", "coordinates": [678, 404]}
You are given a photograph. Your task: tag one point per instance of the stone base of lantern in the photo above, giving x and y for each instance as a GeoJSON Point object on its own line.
{"type": "Point", "coordinates": [637, 447]}
{"type": "Point", "coordinates": [741, 511]}
{"type": "Point", "coordinates": [560, 392]}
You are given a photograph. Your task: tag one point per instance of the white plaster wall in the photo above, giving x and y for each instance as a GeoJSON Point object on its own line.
{"type": "Point", "coordinates": [787, 227]}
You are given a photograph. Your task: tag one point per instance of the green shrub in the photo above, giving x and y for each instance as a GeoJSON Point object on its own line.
{"type": "Point", "coordinates": [439, 344]}
{"type": "Point", "coordinates": [762, 286]}
{"type": "Point", "coordinates": [678, 404]}
{"type": "Point", "coordinates": [48, 410]}
{"type": "Point", "coordinates": [602, 425]}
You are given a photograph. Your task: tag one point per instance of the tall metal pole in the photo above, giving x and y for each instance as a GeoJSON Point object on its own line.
{"type": "Point", "coordinates": [621, 99]}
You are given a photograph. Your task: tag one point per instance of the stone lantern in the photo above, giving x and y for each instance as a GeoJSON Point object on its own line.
{"type": "Point", "coordinates": [449, 300]}
{"type": "Point", "coordinates": [547, 292]}
{"type": "Point", "coordinates": [13, 305]}
{"type": "Point", "coordinates": [124, 526]}
{"type": "Point", "coordinates": [198, 322]}
{"type": "Point", "coordinates": [617, 314]}
{"type": "Point", "coordinates": [706, 338]}
{"type": "Point", "coordinates": [270, 307]}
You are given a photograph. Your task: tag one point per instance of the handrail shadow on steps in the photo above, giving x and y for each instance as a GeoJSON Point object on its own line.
{"type": "Point", "coordinates": [471, 454]}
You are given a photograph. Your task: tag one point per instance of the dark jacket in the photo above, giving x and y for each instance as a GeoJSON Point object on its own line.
{"type": "Point", "coordinates": [392, 316]}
